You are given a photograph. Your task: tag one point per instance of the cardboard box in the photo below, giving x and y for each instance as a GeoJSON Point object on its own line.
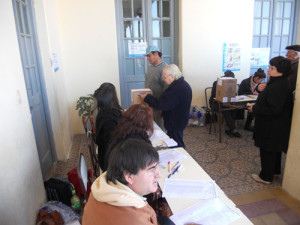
{"type": "Point", "coordinates": [135, 95]}
{"type": "Point", "coordinates": [226, 89]}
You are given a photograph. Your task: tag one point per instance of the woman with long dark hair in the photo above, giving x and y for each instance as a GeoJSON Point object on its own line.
{"type": "Point", "coordinates": [109, 113]}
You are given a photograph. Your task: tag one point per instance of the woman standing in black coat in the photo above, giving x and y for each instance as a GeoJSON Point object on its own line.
{"type": "Point", "coordinates": [273, 111]}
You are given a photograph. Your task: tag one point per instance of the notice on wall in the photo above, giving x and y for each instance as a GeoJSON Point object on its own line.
{"type": "Point", "coordinates": [137, 49]}
{"type": "Point", "coordinates": [231, 57]}
{"type": "Point", "coordinates": [54, 61]}
{"type": "Point", "coordinates": [260, 57]}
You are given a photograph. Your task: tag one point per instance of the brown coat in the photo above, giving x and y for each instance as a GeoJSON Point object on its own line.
{"type": "Point", "coordinates": [100, 213]}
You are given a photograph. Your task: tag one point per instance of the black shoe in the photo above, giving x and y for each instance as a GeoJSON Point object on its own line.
{"type": "Point", "coordinates": [228, 132]}
{"type": "Point", "coordinates": [235, 133]}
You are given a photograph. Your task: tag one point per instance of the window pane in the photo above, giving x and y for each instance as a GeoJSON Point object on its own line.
{"type": "Point", "coordinates": [263, 42]}
{"type": "Point", "coordinates": [287, 9]}
{"type": "Point", "coordinates": [166, 8]}
{"type": "Point", "coordinates": [166, 47]}
{"type": "Point", "coordinates": [26, 28]}
{"type": "Point", "coordinates": [257, 9]}
{"type": "Point", "coordinates": [19, 17]}
{"type": "Point", "coordinates": [139, 66]}
{"type": "Point", "coordinates": [279, 7]}
{"type": "Point", "coordinates": [264, 27]}
{"type": "Point", "coordinates": [130, 66]}
{"type": "Point", "coordinates": [156, 28]}
{"type": "Point", "coordinates": [255, 42]}
{"type": "Point", "coordinates": [126, 9]}
{"type": "Point", "coordinates": [138, 9]}
{"type": "Point", "coordinates": [256, 27]}
{"type": "Point", "coordinates": [266, 9]}
{"type": "Point", "coordinates": [126, 47]}
{"type": "Point", "coordinates": [286, 27]}
{"type": "Point", "coordinates": [166, 29]}
{"type": "Point", "coordinates": [155, 8]}
{"type": "Point", "coordinates": [138, 28]}
{"type": "Point", "coordinates": [276, 44]}
{"type": "Point", "coordinates": [277, 27]}
{"type": "Point", "coordinates": [157, 43]}
{"type": "Point", "coordinates": [284, 43]}
{"type": "Point", "coordinates": [128, 29]}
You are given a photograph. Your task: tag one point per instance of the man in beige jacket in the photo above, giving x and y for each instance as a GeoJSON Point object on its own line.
{"type": "Point", "coordinates": [117, 195]}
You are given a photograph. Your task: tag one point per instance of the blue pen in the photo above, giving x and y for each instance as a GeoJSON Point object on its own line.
{"type": "Point", "coordinates": [175, 165]}
{"type": "Point", "coordinates": [174, 171]}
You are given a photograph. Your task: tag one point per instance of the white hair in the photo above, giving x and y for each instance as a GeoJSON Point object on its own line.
{"type": "Point", "coordinates": [173, 70]}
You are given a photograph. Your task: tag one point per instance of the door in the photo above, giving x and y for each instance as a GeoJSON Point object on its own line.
{"type": "Point", "coordinates": [25, 25]}
{"type": "Point", "coordinates": [143, 21]}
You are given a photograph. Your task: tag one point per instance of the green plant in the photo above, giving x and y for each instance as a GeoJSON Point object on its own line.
{"type": "Point", "coordinates": [84, 105]}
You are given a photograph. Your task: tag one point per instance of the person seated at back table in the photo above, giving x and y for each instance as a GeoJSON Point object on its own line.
{"type": "Point", "coordinates": [109, 113]}
{"type": "Point", "coordinates": [117, 195]}
{"type": "Point", "coordinates": [229, 115]}
{"type": "Point", "coordinates": [136, 122]}
{"type": "Point", "coordinates": [249, 87]}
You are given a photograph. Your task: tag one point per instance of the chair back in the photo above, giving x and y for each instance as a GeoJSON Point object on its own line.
{"type": "Point", "coordinates": [83, 176]}
{"type": "Point", "coordinates": [207, 96]}
{"type": "Point", "coordinates": [93, 153]}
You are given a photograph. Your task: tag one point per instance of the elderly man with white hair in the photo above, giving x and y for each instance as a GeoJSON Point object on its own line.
{"type": "Point", "coordinates": [175, 103]}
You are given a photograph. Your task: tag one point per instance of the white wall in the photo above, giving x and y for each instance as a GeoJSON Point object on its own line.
{"type": "Point", "coordinates": [55, 82]}
{"type": "Point", "coordinates": [89, 49]}
{"type": "Point", "coordinates": [21, 187]}
{"type": "Point", "coordinates": [205, 26]}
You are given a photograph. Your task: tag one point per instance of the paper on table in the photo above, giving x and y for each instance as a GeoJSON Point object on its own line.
{"type": "Point", "coordinates": [170, 155]}
{"type": "Point", "coordinates": [157, 137]}
{"type": "Point", "coordinates": [208, 212]}
{"type": "Point", "coordinates": [194, 189]}
{"type": "Point", "coordinates": [170, 142]}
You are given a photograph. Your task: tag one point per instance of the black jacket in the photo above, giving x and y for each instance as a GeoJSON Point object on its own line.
{"type": "Point", "coordinates": [175, 102]}
{"type": "Point", "coordinates": [106, 123]}
{"type": "Point", "coordinates": [273, 112]}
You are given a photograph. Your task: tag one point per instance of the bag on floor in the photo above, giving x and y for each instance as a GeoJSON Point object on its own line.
{"type": "Point", "coordinates": [59, 189]}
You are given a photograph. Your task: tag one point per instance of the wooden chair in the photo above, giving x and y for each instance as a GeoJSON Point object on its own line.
{"type": "Point", "coordinates": [93, 153]}
{"type": "Point", "coordinates": [83, 177]}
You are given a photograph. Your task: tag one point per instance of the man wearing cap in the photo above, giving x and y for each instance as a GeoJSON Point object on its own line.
{"type": "Point", "coordinates": [293, 55]}
{"type": "Point", "coordinates": [153, 78]}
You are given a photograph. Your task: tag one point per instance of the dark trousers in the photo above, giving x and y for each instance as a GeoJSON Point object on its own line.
{"type": "Point", "coordinates": [250, 117]}
{"type": "Point", "coordinates": [230, 116]}
{"type": "Point", "coordinates": [177, 136]}
{"type": "Point", "coordinates": [270, 164]}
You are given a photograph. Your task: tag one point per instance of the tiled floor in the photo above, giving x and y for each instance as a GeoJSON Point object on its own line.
{"type": "Point", "coordinates": [269, 207]}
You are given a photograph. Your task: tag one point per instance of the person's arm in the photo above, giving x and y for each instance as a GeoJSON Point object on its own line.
{"type": "Point", "coordinates": [167, 101]}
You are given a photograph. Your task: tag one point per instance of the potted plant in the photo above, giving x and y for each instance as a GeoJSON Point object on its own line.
{"type": "Point", "coordinates": [84, 105]}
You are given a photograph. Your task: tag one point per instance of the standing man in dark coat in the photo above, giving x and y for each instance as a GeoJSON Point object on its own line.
{"type": "Point", "coordinates": [175, 103]}
{"type": "Point", "coordinates": [293, 55]}
{"type": "Point", "coordinates": [273, 110]}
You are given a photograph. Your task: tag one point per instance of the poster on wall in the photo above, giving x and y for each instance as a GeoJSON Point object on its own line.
{"type": "Point", "coordinates": [260, 57]}
{"type": "Point", "coordinates": [231, 57]}
{"type": "Point", "coordinates": [137, 49]}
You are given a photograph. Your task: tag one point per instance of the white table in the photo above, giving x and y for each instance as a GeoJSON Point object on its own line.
{"type": "Point", "coordinates": [192, 171]}
{"type": "Point", "coordinates": [159, 137]}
